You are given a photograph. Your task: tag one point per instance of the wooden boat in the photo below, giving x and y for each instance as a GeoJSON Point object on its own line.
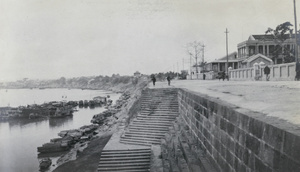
{"type": "Point", "coordinates": [45, 163]}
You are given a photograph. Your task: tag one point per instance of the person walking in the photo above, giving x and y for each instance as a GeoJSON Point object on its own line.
{"type": "Point", "coordinates": [204, 76]}
{"type": "Point", "coordinates": [169, 80]}
{"type": "Point", "coordinates": [153, 80]}
{"type": "Point", "coordinates": [267, 72]}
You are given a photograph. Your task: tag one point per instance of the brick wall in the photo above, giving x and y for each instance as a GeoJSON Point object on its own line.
{"type": "Point", "coordinates": [240, 140]}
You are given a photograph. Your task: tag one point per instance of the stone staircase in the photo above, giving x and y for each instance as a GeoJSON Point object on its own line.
{"type": "Point", "coordinates": [159, 108]}
{"type": "Point", "coordinates": [135, 160]}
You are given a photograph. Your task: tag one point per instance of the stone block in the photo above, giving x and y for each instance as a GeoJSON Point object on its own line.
{"type": "Point", "coordinates": [291, 146]}
{"type": "Point", "coordinates": [234, 118]}
{"type": "Point", "coordinates": [230, 129]}
{"type": "Point", "coordinates": [223, 151]}
{"type": "Point", "coordinates": [285, 164]}
{"type": "Point", "coordinates": [216, 144]}
{"type": "Point", "coordinates": [223, 124]}
{"type": "Point", "coordinates": [256, 127]}
{"type": "Point", "coordinates": [205, 113]}
{"type": "Point", "coordinates": [244, 122]}
{"type": "Point", "coordinates": [223, 137]}
{"type": "Point", "coordinates": [252, 144]}
{"type": "Point", "coordinates": [239, 151]}
{"type": "Point", "coordinates": [276, 160]}
{"type": "Point", "coordinates": [288, 145]}
{"type": "Point", "coordinates": [251, 161]}
{"type": "Point", "coordinates": [204, 103]}
{"type": "Point", "coordinates": [261, 167]}
{"type": "Point", "coordinates": [246, 156]}
{"type": "Point", "coordinates": [242, 168]}
{"type": "Point", "coordinates": [230, 158]}
{"type": "Point", "coordinates": [242, 138]}
{"type": "Point", "coordinates": [217, 120]}
{"type": "Point", "coordinates": [230, 144]}
{"type": "Point", "coordinates": [266, 155]}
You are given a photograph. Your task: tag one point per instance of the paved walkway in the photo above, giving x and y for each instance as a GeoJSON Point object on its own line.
{"type": "Point", "coordinates": [274, 98]}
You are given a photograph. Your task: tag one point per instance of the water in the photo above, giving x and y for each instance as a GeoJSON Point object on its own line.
{"type": "Point", "coordinates": [19, 139]}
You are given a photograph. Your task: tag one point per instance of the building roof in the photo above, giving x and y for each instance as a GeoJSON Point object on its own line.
{"type": "Point", "coordinates": [232, 57]}
{"type": "Point", "coordinates": [266, 37]}
{"type": "Point", "coordinates": [251, 58]}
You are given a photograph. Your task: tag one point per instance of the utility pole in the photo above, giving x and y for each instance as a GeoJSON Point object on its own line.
{"type": "Point", "coordinates": [182, 63]}
{"type": "Point", "coordinates": [177, 70]}
{"type": "Point", "coordinates": [191, 65]}
{"type": "Point", "coordinates": [296, 38]}
{"type": "Point", "coordinates": [196, 61]}
{"type": "Point", "coordinates": [203, 57]}
{"type": "Point", "coordinates": [226, 66]}
{"type": "Point", "coordinates": [203, 53]}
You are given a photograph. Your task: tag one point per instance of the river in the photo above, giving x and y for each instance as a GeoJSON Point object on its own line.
{"type": "Point", "coordinates": [19, 139]}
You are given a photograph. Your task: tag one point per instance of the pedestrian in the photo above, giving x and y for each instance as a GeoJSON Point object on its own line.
{"type": "Point", "coordinates": [297, 78]}
{"type": "Point", "coordinates": [204, 76]}
{"type": "Point", "coordinates": [153, 80]}
{"type": "Point", "coordinates": [169, 79]}
{"type": "Point", "coordinates": [267, 72]}
{"type": "Point", "coordinates": [223, 75]}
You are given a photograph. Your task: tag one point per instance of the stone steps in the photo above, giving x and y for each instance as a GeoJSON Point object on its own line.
{"type": "Point", "coordinates": [139, 138]}
{"type": "Point", "coordinates": [158, 116]}
{"type": "Point", "coordinates": [149, 128]}
{"type": "Point", "coordinates": [138, 142]}
{"type": "Point", "coordinates": [135, 160]}
{"type": "Point", "coordinates": [161, 118]}
{"type": "Point", "coordinates": [158, 112]}
{"type": "Point", "coordinates": [146, 134]}
{"type": "Point", "coordinates": [146, 131]}
{"type": "Point", "coordinates": [150, 123]}
{"type": "Point", "coordinates": [140, 135]}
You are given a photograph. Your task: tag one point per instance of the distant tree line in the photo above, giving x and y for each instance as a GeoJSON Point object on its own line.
{"type": "Point", "coordinates": [89, 82]}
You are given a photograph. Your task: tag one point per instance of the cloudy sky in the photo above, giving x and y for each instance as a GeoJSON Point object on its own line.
{"type": "Point", "coordinates": [48, 39]}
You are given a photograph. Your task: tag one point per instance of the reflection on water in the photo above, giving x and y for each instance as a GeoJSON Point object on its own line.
{"type": "Point", "coordinates": [59, 122]}
{"type": "Point", "coordinates": [24, 121]}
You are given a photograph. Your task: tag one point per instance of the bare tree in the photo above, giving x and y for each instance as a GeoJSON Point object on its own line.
{"type": "Point", "coordinates": [194, 49]}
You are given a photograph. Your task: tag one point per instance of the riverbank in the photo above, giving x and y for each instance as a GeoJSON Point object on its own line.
{"type": "Point", "coordinates": [85, 156]}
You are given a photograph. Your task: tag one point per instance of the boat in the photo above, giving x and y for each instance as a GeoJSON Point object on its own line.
{"type": "Point", "coordinates": [45, 163]}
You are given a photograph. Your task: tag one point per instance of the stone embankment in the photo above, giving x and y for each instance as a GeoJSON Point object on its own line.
{"type": "Point", "coordinates": [130, 148]}
{"type": "Point", "coordinates": [121, 112]}
{"type": "Point", "coordinates": [236, 139]}
{"type": "Point", "coordinates": [195, 132]}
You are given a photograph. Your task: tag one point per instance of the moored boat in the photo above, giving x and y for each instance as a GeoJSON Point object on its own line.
{"type": "Point", "coordinates": [45, 163]}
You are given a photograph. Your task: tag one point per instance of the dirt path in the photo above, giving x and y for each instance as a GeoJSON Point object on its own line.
{"type": "Point", "coordinates": [87, 160]}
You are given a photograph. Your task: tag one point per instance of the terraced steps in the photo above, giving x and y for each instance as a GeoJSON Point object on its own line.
{"type": "Point", "coordinates": [159, 108]}
{"type": "Point", "coordinates": [134, 160]}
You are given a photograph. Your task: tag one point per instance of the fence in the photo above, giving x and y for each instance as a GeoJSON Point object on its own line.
{"type": "Point", "coordinates": [280, 72]}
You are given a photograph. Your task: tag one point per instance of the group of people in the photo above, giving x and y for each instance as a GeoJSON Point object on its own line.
{"type": "Point", "coordinates": [154, 80]}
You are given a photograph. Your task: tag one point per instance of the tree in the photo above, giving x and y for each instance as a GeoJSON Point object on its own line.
{"type": "Point", "coordinates": [281, 33]}
{"type": "Point", "coordinates": [194, 49]}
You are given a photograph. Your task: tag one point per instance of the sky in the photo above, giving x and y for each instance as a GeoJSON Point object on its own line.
{"type": "Point", "coordinates": [49, 39]}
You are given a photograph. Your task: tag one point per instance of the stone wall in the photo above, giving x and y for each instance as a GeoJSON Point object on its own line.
{"type": "Point", "coordinates": [237, 139]}
{"type": "Point", "coordinates": [280, 72]}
